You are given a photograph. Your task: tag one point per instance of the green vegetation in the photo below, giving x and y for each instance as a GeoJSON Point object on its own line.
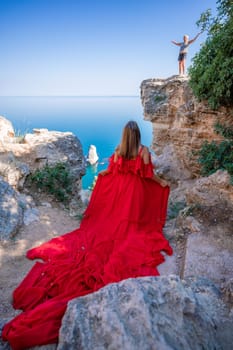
{"type": "Point", "coordinates": [211, 73]}
{"type": "Point", "coordinates": [225, 131]}
{"type": "Point", "coordinates": [214, 156]}
{"type": "Point", "coordinates": [55, 180]}
{"type": "Point", "coordinates": [159, 98]}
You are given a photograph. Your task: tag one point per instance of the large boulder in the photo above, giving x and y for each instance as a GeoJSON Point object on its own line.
{"type": "Point", "coordinates": [149, 313]}
{"type": "Point", "coordinates": [19, 158]}
{"type": "Point", "coordinates": [211, 190]}
{"type": "Point", "coordinates": [51, 147]}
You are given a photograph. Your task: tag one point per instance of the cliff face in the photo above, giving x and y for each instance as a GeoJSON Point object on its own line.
{"type": "Point", "coordinates": [180, 125]}
{"type": "Point", "coordinates": [200, 213]}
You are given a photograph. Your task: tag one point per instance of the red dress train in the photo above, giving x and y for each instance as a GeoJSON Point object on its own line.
{"type": "Point", "coordinates": [119, 237]}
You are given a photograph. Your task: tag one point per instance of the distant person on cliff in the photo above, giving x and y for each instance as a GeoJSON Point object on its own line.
{"type": "Point", "coordinates": [183, 51]}
{"type": "Point", "coordinates": [120, 237]}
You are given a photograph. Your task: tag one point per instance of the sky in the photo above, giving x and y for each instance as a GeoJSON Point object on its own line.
{"type": "Point", "coordinates": [92, 47]}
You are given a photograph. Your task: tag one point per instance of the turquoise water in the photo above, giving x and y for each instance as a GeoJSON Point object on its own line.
{"type": "Point", "coordinates": [94, 120]}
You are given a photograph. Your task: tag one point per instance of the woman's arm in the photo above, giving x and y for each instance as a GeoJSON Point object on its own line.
{"type": "Point", "coordinates": [145, 154]}
{"type": "Point", "coordinates": [162, 182]}
{"type": "Point", "coordinates": [103, 172]}
{"type": "Point", "coordinates": [146, 159]}
{"type": "Point", "coordinates": [195, 38]}
{"type": "Point", "coordinates": [176, 43]}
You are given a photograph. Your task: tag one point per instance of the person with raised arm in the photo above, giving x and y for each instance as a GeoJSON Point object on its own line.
{"type": "Point", "coordinates": [184, 51]}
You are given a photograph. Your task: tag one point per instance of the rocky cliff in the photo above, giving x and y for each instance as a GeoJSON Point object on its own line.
{"type": "Point", "coordinates": [202, 226]}
{"type": "Point", "coordinates": [180, 125]}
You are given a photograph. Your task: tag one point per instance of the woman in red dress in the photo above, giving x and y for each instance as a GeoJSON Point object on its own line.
{"type": "Point", "coordinates": [119, 237]}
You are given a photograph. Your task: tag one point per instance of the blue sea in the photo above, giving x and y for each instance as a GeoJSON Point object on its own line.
{"type": "Point", "coordinates": [94, 120]}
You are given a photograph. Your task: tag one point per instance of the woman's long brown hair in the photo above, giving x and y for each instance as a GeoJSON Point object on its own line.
{"type": "Point", "coordinates": [130, 142]}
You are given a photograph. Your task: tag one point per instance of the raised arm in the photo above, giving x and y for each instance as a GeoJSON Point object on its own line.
{"type": "Point", "coordinates": [176, 43]}
{"type": "Point", "coordinates": [195, 38]}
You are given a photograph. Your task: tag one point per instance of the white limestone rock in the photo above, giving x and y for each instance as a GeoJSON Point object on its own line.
{"type": "Point", "coordinates": [92, 155]}
{"type": "Point", "coordinates": [149, 313]}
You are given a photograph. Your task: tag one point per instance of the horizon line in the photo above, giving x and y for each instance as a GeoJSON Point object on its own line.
{"type": "Point", "coordinates": [99, 96]}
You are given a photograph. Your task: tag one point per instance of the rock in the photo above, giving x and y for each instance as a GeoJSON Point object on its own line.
{"type": "Point", "coordinates": [206, 256]}
{"type": "Point", "coordinates": [168, 165]}
{"type": "Point", "coordinates": [85, 196]}
{"type": "Point", "coordinates": [149, 313]}
{"type": "Point", "coordinates": [45, 347]}
{"type": "Point", "coordinates": [30, 215]}
{"type": "Point", "coordinates": [6, 130]}
{"type": "Point", "coordinates": [12, 170]}
{"type": "Point", "coordinates": [51, 147]}
{"type": "Point", "coordinates": [11, 211]}
{"type": "Point", "coordinates": [43, 147]}
{"type": "Point", "coordinates": [92, 155]}
{"type": "Point", "coordinates": [169, 266]}
{"type": "Point", "coordinates": [211, 190]}
{"type": "Point", "coordinates": [227, 289]}
{"type": "Point", "coordinates": [189, 223]}
{"type": "Point", "coordinates": [46, 204]}
{"type": "Point", "coordinates": [180, 125]}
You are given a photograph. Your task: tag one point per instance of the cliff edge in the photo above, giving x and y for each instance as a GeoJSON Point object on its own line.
{"type": "Point", "coordinates": [200, 214]}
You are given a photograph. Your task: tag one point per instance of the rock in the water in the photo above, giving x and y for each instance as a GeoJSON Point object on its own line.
{"type": "Point", "coordinates": [92, 155]}
{"type": "Point", "coordinates": [151, 313]}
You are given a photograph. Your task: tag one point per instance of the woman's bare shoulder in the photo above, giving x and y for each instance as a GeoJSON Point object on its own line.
{"type": "Point", "coordinates": [145, 154]}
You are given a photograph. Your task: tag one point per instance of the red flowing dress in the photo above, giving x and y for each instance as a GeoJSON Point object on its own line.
{"type": "Point", "coordinates": [119, 237]}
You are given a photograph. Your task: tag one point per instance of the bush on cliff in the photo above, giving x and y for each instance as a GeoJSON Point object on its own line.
{"type": "Point", "coordinates": [214, 156]}
{"type": "Point", "coordinates": [55, 180]}
{"type": "Point", "coordinates": [211, 73]}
